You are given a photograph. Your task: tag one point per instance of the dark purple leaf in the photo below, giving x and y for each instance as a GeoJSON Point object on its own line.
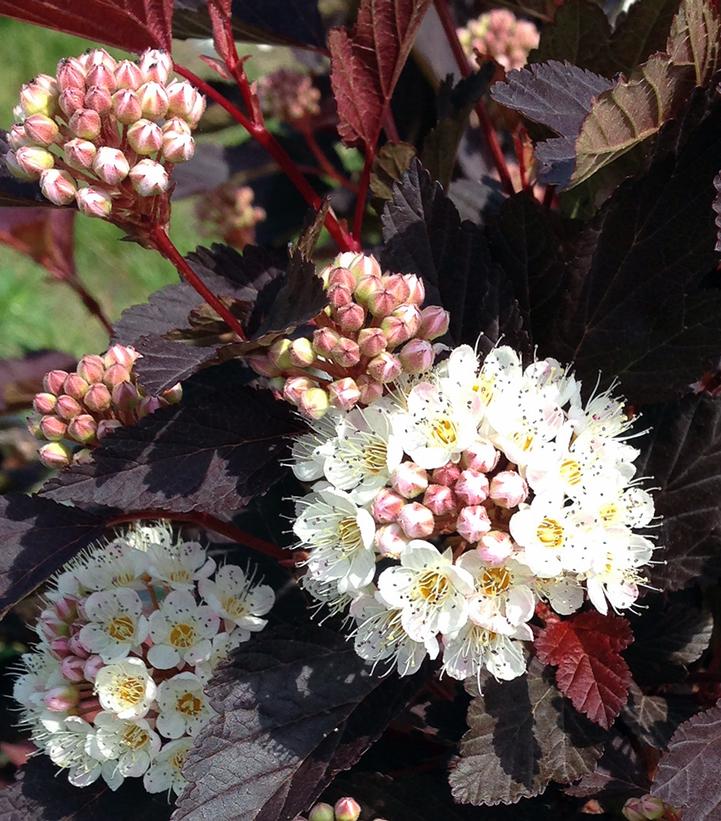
{"type": "Point", "coordinates": [22, 377]}
{"type": "Point", "coordinates": [641, 31]}
{"type": "Point", "coordinates": [620, 774]}
{"type": "Point", "coordinates": [390, 164]}
{"type": "Point", "coordinates": [654, 719]}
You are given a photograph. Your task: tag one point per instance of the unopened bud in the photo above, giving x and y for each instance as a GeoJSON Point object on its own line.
{"type": "Point", "coordinates": [472, 487]}
{"type": "Point", "coordinates": [60, 647]}
{"type": "Point", "coordinates": [61, 699]}
{"type": "Point", "coordinates": [295, 387]}
{"type": "Point", "coordinates": [41, 129]}
{"type": "Point", "coordinates": [321, 812]}
{"type": "Point", "coordinates": [111, 165]}
{"type": "Point", "coordinates": [70, 73]}
{"type": "Point", "coordinates": [54, 455]}
{"type": "Point", "coordinates": [156, 64]}
{"type": "Point", "coordinates": [173, 395]}
{"type": "Point", "coordinates": [339, 295]}
{"type": "Point", "coordinates": [148, 405]}
{"type": "Point", "coordinates": [447, 475]}
{"type": "Point", "coordinates": [34, 160]}
{"type": "Point", "coordinates": [14, 167]}
{"type": "Point", "coordinates": [366, 288]}
{"type": "Point", "coordinates": [345, 353]}
{"type": "Point", "coordinates": [508, 489]}
{"type": "Point", "coordinates": [97, 57]}
{"type": "Point", "coordinates": [386, 506]}
{"type": "Point", "coordinates": [75, 386]}
{"type": "Point", "coordinates": [324, 340]}
{"type": "Point", "coordinates": [58, 186]}
{"type": "Point", "coordinates": [153, 100]}
{"type": "Point", "coordinates": [107, 426]}
{"type": "Point", "coordinates": [434, 322]}
{"type": "Point", "coordinates": [197, 111]}
{"type": "Point", "coordinates": [93, 665]}
{"type": "Point", "coordinates": [416, 289]}
{"type": "Point", "coordinates": [128, 75]}
{"type": "Point", "coordinates": [416, 520]}
{"type": "Point", "coordinates": [35, 99]}
{"type": "Point", "coordinates": [126, 105]}
{"type": "Point", "coordinates": [481, 456]}
{"type": "Point", "coordinates": [53, 381]}
{"type": "Point", "coordinates": [17, 137]}
{"type": "Point", "coordinates": [495, 547]}
{"type": "Point", "coordinates": [416, 356]}
{"type": "Point", "coordinates": [67, 408]}
{"type": "Point", "coordinates": [94, 202]}
{"type": "Point", "coordinates": [473, 522]}
{"type": "Point", "coordinates": [385, 367]}
{"type": "Point", "coordinates": [440, 500]}
{"type": "Point", "coordinates": [350, 318]}
{"type": "Point", "coordinates": [279, 354]}
{"type": "Point", "coordinates": [145, 137]}
{"type": "Point", "coordinates": [261, 364]}
{"type": "Point", "coordinates": [124, 355]}
{"type": "Point", "coordinates": [381, 302]}
{"type": "Point", "coordinates": [347, 809]}
{"type": "Point", "coordinates": [72, 668]}
{"type": "Point", "coordinates": [371, 341]}
{"type": "Point", "coordinates": [83, 428]}
{"type": "Point", "coordinates": [149, 178]}
{"type": "Point", "coordinates": [71, 101]}
{"type": "Point", "coordinates": [45, 402]}
{"type": "Point", "coordinates": [341, 276]}
{"type": "Point", "coordinates": [91, 368]}
{"type": "Point", "coordinates": [80, 153]}
{"type": "Point", "coordinates": [343, 393]}
{"type": "Point", "coordinates": [53, 428]}
{"type": "Point", "coordinates": [409, 479]}
{"type": "Point", "coordinates": [97, 399]}
{"type": "Point", "coordinates": [314, 403]}
{"type": "Point", "coordinates": [99, 99]}
{"type": "Point", "coordinates": [125, 396]}
{"type": "Point", "coordinates": [176, 124]}
{"type": "Point", "coordinates": [116, 375]}
{"type": "Point", "coordinates": [390, 540]}
{"type": "Point", "coordinates": [85, 123]}
{"type": "Point", "coordinates": [301, 353]}
{"type": "Point", "coordinates": [178, 146]}
{"type": "Point", "coordinates": [370, 390]}
{"type": "Point", "coordinates": [181, 98]}
{"type": "Point", "coordinates": [101, 77]}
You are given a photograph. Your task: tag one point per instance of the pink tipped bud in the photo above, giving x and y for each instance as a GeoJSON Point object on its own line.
{"type": "Point", "coordinates": [77, 647]}
{"type": "Point", "coordinates": [440, 500]}
{"type": "Point", "coordinates": [111, 165]}
{"type": "Point", "coordinates": [385, 367]}
{"type": "Point", "coordinates": [17, 137]}
{"type": "Point", "coordinates": [279, 354]}
{"type": "Point", "coordinates": [409, 479]}
{"type": "Point", "coordinates": [107, 426]}
{"type": "Point", "coordinates": [341, 276]}
{"type": "Point", "coordinates": [473, 522]}
{"type": "Point", "coordinates": [12, 165]}
{"type": "Point", "coordinates": [128, 75]}
{"type": "Point", "coordinates": [381, 302]}
{"type": "Point", "coordinates": [390, 540]}
{"type": "Point", "coordinates": [54, 455]}
{"type": "Point", "coordinates": [324, 340]}
{"type": "Point", "coordinates": [97, 57]}
{"type": "Point", "coordinates": [481, 456]}
{"type": "Point", "coordinates": [447, 475]}
{"type": "Point", "coordinates": [149, 178]}
{"type": "Point", "coordinates": [116, 375]}
{"type": "Point", "coordinates": [41, 129]}
{"type": "Point", "coordinates": [75, 386]}
{"type": "Point", "coordinates": [33, 160]}
{"type": "Point", "coordinates": [345, 353]}
{"type": "Point", "coordinates": [53, 381]}
{"type": "Point", "coordinates": [366, 288]}
{"type": "Point", "coordinates": [173, 395]}
{"type": "Point", "coordinates": [83, 429]}
{"type": "Point", "coordinates": [363, 266]}
{"type": "Point", "coordinates": [153, 100]}
{"type": "Point", "coordinates": [35, 99]}
{"type": "Point", "coordinates": [70, 73]}
{"type": "Point", "coordinates": [416, 289]}
{"type": "Point", "coordinates": [370, 391]}
{"type": "Point", "coordinates": [124, 355]}
{"type": "Point", "coordinates": [93, 665]}
{"type": "Point", "coordinates": [178, 146]}
{"type": "Point", "coordinates": [101, 76]}
{"type": "Point", "coordinates": [395, 331]}
{"type": "Point", "coordinates": [99, 99]}
{"type": "Point", "coordinates": [472, 487]}
{"type": "Point", "coordinates": [295, 387]}
{"type": "Point", "coordinates": [97, 399]}
{"type": "Point", "coordinates": [347, 809]}
{"type": "Point", "coordinates": [397, 285]}
{"type": "Point", "coordinates": [45, 402]}
{"type": "Point", "coordinates": [434, 322]}
{"type": "Point", "coordinates": [261, 364]}
{"type": "Point", "coordinates": [60, 647]}
{"type": "Point", "coordinates": [416, 356]}
{"type": "Point", "coordinates": [176, 124]}
{"type": "Point", "coordinates": [61, 699]}
{"type": "Point", "coordinates": [91, 368]}
{"type": "Point", "coordinates": [386, 506]}
{"type": "Point", "coordinates": [85, 123]}
{"type": "Point", "coordinates": [72, 668]}
{"type": "Point", "coordinates": [495, 547]}
{"type": "Point", "coordinates": [94, 202]}
{"type": "Point", "coordinates": [416, 520]}
{"type": "Point", "coordinates": [321, 812]}
{"type": "Point", "coordinates": [80, 153]}
{"type": "Point", "coordinates": [372, 341]}
{"type": "Point", "coordinates": [343, 393]}
{"type": "Point", "coordinates": [126, 105]}
{"type": "Point", "coordinates": [301, 353]}
{"type": "Point", "coordinates": [67, 408]}
{"type": "Point", "coordinates": [67, 608]}
{"type": "Point", "coordinates": [197, 111]}
{"type": "Point", "coordinates": [339, 295]}
{"type": "Point", "coordinates": [350, 318]}
{"type": "Point", "coordinates": [155, 64]}
{"type": "Point", "coordinates": [145, 137]}
{"type": "Point", "coordinates": [58, 186]}
{"type": "Point", "coordinates": [33, 426]}
{"type": "Point", "coordinates": [314, 403]}
{"type": "Point", "coordinates": [71, 101]}
{"type": "Point", "coordinates": [508, 489]}
{"type": "Point", "coordinates": [52, 428]}
{"type": "Point", "coordinates": [185, 102]}
{"type": "Point", "coordinates": [125, 396]}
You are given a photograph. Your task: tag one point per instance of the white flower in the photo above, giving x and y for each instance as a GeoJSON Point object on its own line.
{"type": "Point", "coordinates": [222, 646]}
{"type": "Point", "coordinates": [68, 748]}
{"type": "Point", "coordinates": [165, 772]}
{"type": "Point", "coordinates": [473, 648]}
{"type": "Point", "coordinates": [129, 744]}
{"type": "Point", "coordinates": [40, 673]}
{"type": "Point", "coordinates": [125, 688]}
{"type": "Point", "coordinates": [182, 706]}
{"type": "Point", "coordinates": [563, 593]}
{"type": "Point", "coordinates": [117, 564]}
{"type": "Point", "coordinates": [181, 631]}
{"type": "Point", "coordinates": [234, 597]}
{"type": "Point", "coordinates": [326, 596]}
{"type": "Point", "coordinates": [603, 414]}
{"type": "Point", "coordinates": [614, 575]}
{"type": "Point", "coordinates": [179, 565]}
{"type": "Point", "coordinates": [429, 590]}
{"type": "Point", "coordinates": [340, 536]}
{"type": "Point", "coordinates": [311, 449]}
{"type": "Point", "coordinates": [116, 624]}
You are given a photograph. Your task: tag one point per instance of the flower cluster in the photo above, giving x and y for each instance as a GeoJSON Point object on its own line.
{"type": "Point", "coordinates": [289, 96]}
{"type": "Point", "coordinates": [230, 212]}
{"type": "Point", "coordinates": [371, 333]}
{"type": "Point", "coordinates": [130, 634]}
{"type": "Point", "coordinates": [445, 511]}
{"type": "Point", "coordinates": [105, 134]}
{"type": "Point", "coordinates": [500, 35]}
{"type": "Point", "coordinates": [84, 406]}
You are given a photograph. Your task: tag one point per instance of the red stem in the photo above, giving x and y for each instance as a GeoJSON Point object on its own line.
{"type": "Point", "coordinates": [326, 166]}
{"type": "Point", "coordinates": [164, 245]}
{"type": "Point", "coordinates": [262, 136]}
{"type": "Point", "coordinates": [520, 156]}
{"type": "Point", "coordinates": [444, 13]}
{"type": "Point", "coordinates": [360, 205]}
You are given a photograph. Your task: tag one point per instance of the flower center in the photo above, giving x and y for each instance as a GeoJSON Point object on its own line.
{"type": "Point", "coordinates": [550, 533]}
{"type": "Point", "coordinates": [571, 471]}
{"type": "Point", "coordinates": [234, 607]}
{"type": "Point", "coordinates": [375, 456]}
{"type": "Point", "coordinates": [177, 759]}
{"type": "Point", "coordinates": [609, 513]}
{"type": "Point", "coordinates": [523, 439]}
{"type": "Point", "coordinates": [189, 705]}
{"type": "Point", "coordinates": [123, 579]}
{"type": "Point", "coordinates": [495, 580]}
{"type": "Point", "coordinates": [182, 635]}
{"type": "Point", "coordinates": [129, 690]}
{"type": "Point", "coordinates": [134, 737]}
{"type": "Point", "coordinates": [349, 534]}
{"type": "Point", "coordinates": [444, 431]}
{"type": "Point", "coordinates": [432, 587]}
{"type": "Point", "coordinates": [180, 575]}
{"type": "Point", "coordinates": [121, 628]}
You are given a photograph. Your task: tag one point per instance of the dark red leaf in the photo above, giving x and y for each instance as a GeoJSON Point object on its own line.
{"type": "Point", "coordinates": [21, 378]}
{"type": "Point", "coordinates": [586, 650]}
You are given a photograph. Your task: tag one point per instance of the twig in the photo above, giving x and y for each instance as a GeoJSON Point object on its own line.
{"type": "Point", "coordinates": [326, 166]}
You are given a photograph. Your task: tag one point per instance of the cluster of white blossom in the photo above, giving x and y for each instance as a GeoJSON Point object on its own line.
{"type": "Point", "coordinates": [129, 636]}
{"type": "Point", "coordinates": [444, 512]}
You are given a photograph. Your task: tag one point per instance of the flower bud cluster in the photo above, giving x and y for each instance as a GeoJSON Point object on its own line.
{"type": "Point", "coordinates": [447, 510]}
{"type": "Point", "coordinates": [372, 332]}
{"type": "Point", "coordinates": [130, 634]}
{"type": "Point", "coordinates": [103, 133]}
{"type": "Point", "coordinates": [501, 35]}
{"type": "Point", "coordinates": [82, 407]}
{"type": "Point", "coordinates": [345, 809]}
{"type": "Point", "coordinates": [229, 211]}
{"type": "Point", "coordinates": [288, 95]}
{"type": "Point", "coordinates": [649, 808]}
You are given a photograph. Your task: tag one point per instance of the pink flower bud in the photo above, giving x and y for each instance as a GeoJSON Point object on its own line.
{"type": "Point", "coordinates": [128, 75]}
{"type": "Point", "coordinates": [508, 489]}
{"type": "Point", "coordinates": [416, 356]}
{"type": "Point", "coordinates": [54, 455]}
{"type": "Point", "coordinates": [67, 408]}
{"type": "Point", "coordinates": [440, 500]}
{"type": "Point", "coordinates": [416, 520]}
{"type": "Point", "coordinates": [125, 396]}
{"type": "Point", "coordinates": [653, 807]}
{"type": "Point", "coordinates": [94, 202]}
{"type": "Point", "coordinates": [80, 153]}
{"type": "Point", "coordinates": [371, 341]}
{"type": "Point", "coordinates": [197, 111]}
{"type": "Point", "coordinates": [339, 295]}
{"type": "Point", "coordinates": [434, 322]}
{"type": "Point", "coordinates": [363, 266]}
{"type": "Point", "coordinates": [107, 426]}
{"type": "Point", "coordinates": [321, 812]}
{"type": "Point", "coordinates": [447, 475]}
{"type": "Point", "coordinates": [41, 129]}
{"type": "Point", "coordinates": [345, 353]}
{"type": "Point", "coordinates": [366, 288]}
{"type": "Point", "coordinates": [382, 302]}
{"type": "Point", "coordinates": [72, 668]}
{"type": "Point", "coordinates": [324, 340]}
{"type": "Point", "coordinates": [279, 354]}
{"type": "Point", "coordinates": [416, 289]}
{"type": "Point", "coordinates": [341, 276]}
{"type": "Point", "coordinates": [176, 124]}
{"type": "Point", "coordinates": [145, 137]}
{"type": "Point", "coordinates": [390, 540]}
{"type": "Point", "coordinates": [495, 547]}
{"type": "Point", "coordinates": [77, 647]}
{"type": "Point", "coordinates": [126, 105]}
{"type": "Point", "coordinates": [85, 123]}
{"type": "Point", "coordinates": [395, 331]}
{"type": "Point", "coordinates": [70, 74]}
{"type": "Point", "coordinates": [343, 393]}
{"type": "Point", "coordinates": [17, 137]}
{"type": "Point", "coordinates": [124, 355]}
{"type": "Point", "coordinates": [178, 147]}
{"type": "Point", "coordinates": [473, 522]}
{"type": "Point", "coordinates": [45, 402]}
{"type": "Point", "coordinates": [386, 506]}
{"type": "Point", "coordinates": [347, 809]}
{"type": "Point", "coordinates": [409, 479]}
{"type": "Point", "coordinates": [301, 353]}
{"type": "Point", "coordinates": [314, 403]}
{"type": "Point", "coordinates": [58, 186]}
{"type": "Point", "coordinates": [53, 381]}
{"type": "Point", "coordinates": [153, 100]}
{"type": "Point", "coordinates": [156, 64]}
{"type": "Point", "coordinates": [111, 165]}
{"type": "Point", "coordinates": [350, 318]}
{"type": "Point", "coordinates": [97, 57]}
{"type": "Point", "coordinates": [75, 386]}
{"type": "Point", "coordinates": [61, 699]}
{"type": "Point", "coordinates": [115, 375]}
{"type": "Point", "coordinates": [71, 101]}
{"type": "Point", "coordinates": [91, 368]}
{"type": "Point", "coordinates": [173, 395]}
{"type": "Point", "coordinates": [481, 456]}
{"type": "Point", "coordinates": [370, 390]}
{"type": "Point", "coordinates": [83, 428]}
{"type": "Point", "coordinates": [60, 647]}
{"type": "Point", "coordinates": [472, 487]}
{"type": "Point", "coordinates": [12, 165]}
{"type": "Point", "coordinates": [93, 665]}
{"type": "Point", "coordinates": [67, 608]}
{"type": "Point", "coordinates": [97, 399]}
{"type": "Point", "coordinates": [148, 405]}
{"type": "Point", "coordinates": [385, 367]}
{"type": "Point", "coordinates": [182, 98]}
{"type": "Point", "coordinates": [149, 178]}
{"type": "Point", "coordinates": [295, 387]}
{"type": "Point", "coordinates": [261, 364]}
{"type": "Point", "coordinates": [99, 99]}
{"type": "Point", "coordinates": [52, 428]}
{"type": "Point", "coordinates": [33, 160]}
{"type": "Point", "coordinates": [35, 99]}
{"type": "Point", "coordinates": [101, 77]}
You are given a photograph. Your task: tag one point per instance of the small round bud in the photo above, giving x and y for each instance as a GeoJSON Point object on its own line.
{"type": "Point", "coordinates": [71, 101]}
{"type": "Point", "coordinates": [366, 288]}
{"type": "Point", "coordinates": [350, 318]}
{"type": "Point", "coordinates": [508, 489]}
{"type": "Point", "coordinates": [33, 160]}
{"type": "Point", "coordinates": [324, 340]}
{"type": "Point", "coordinates": [17, 137]}
{"type": "Point", "coordinates": [370, 390]}
{"type": "Point", "coordinates": [83, 428]}
{"type": "Point", "coordinates": [447, 475]}
{"type": "Point", "coordinates": [416, 289]}
{"type": "Point", "coordinates": [75, 386]}
{"type": "Point", "coordinates": [473, 522]}
{"type": "Point", "coordinates": [111, 165]}
{"type": "Point", "coordinates": [12, 165]}
{"type": "Point", "coordinates": [301, 352]}
{"type": "Point", "coordinates": [279, 354]}
{"type": "Point", "coordinates": [481, 456]}
{"type": "Point", "coordinates": [381, 302]}
{"type": "Point", "coordinates": [97, 57]}
{"type": "Point", "coordinates": [495, 547]}
{"type": "Point", "coordinates": [72, 668]}
{"type": "Point", "coordinates": [67, 408]}
{"type": "Point", "coordinates": [295, 387]}
{"type": "Point", "coordinates": [70, 73]}
{"type": "Point", "coordinates": [55, 455]}
{"type": "Point", "coordinates": [128, 75]}
{"type": "Point", "coordinates": [181, 98]}
{"type": "Point", "coordinates": [149, 178]}
{"type": "Point", "coordinates": [107, 426]}
{"type": "Point", "coordinates": [125, 396]}
{"type": "Point", "coordinates": [92, 666]}
{"type": "Point", "coordinates": [347, 809]}
{"type": "Point", "coordinates": [126, 105]}
{"type": "Point", "coordinates": [153, 100]}
{"type": "Point", "coordinates": [173, 395]}
{"type": "Point", "coordinates": [145, 137]}
{"type": "Point", "coordinates": [371, 341]}
{"type": "Point", "coordinates": [345, 353]}
{"type": "Point", "coordinates": [440, 500]}
{"type": "Point", "coordinates": [101, 77]}
{"type": "Point", "coordinates": [35, 99]}
{"type": "Point", "coordinates": [343, 393]}
{"type": "Point", "coordinates": [124, 355]}
{"type": "Point", "coordinates": [384, 368]}
{"type": "Point", "coordinates": [97, 399]}
{"type": "Point", "coordinates": [178, 147]}
{"type": "Point", "coordinates": [176, 124]}
{"type": "Point", "coordinates": [45, 402]}
{"type": "Point", "coordinates": [53, 381]}
{"type": "Point", "coordinates": [156, 64]}
{"type": "Point", "coordinates": [416, 356]}
{"type": "Point", "coordinates": [434, 322]}
{"type": "Point", "coordinates": [115, 375]}
{"type": "Point", "coordinates": [341, 276]}
{"type": "Point", "coordinates": [41, 129]}
{"type": "Point", "coordinates": [52, 428]}
{"type": "Point", "coordinates": [321, 812]}
{"type": "Point", "coordinates": [386, 506]}
{"type": "Point", "coordinates": [91, 368]}
{"type": "Point", "coordinates": [99, 99]}
{"type": "Point", "coordinates": [314, 403]}
{"type": "Point", "coordinates": [85, 123]}
{"type": "Point", "coordinates": [148, 405]}
{"type": "Point", "coordinates": [472, 487]}
{"type": "Point", "coordinates": [390, 540]}
{"type": "Point", "coordinates": [58, 186]}
{"type": "Point", "coordinates": [61, 699]}
{"type": "Point", "coordinates": [339, 295]}
{"type": "Point", "coordinates": [94, 202]}
{"type": "Point", "coordinates": [409, 479]}
{"type": "Point", "coordinates": [416, 521]}
{"type": "Point", "coordinates": [80, 153]}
